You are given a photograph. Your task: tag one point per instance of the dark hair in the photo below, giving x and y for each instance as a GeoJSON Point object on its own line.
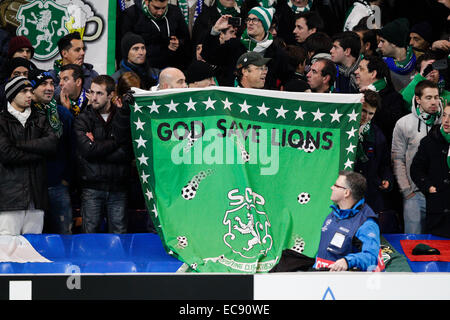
{"type": "Point", "coordinates": [318, 42]}
{"type": "Point", "coordinates": [329, 69]}
{"type": "Point", "coordinates": [65, 42]}
{"type": "Point", "coordinates": [312, 18]}
{"type": "Point", "coordinates": [296, 54]}
{"type": "Point", "coordinates": [349, 39]}
{"type": "Point", "coordinates": [377, 64]}
{"type": "Point", "coordinates": [356, 183]}
{"type": "Point", "coordinates": [77, 71]}
{"type": "Point", "coordinates": [106, 80]}
{"type": "Point", "coordinates": [427, 55]}
{"type": "Point", "coordinates": [372, 98]}
{"type": "Point", "coordinates": [126, 81]}
{"type": "Point", "coordinates": [422, 85]}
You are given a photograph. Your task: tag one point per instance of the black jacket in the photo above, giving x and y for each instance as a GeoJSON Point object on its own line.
{"type": "Point", "coordinates": [429, 168]}
{"type": "Point", "coordinates": [23, 153]}
{"type": "Point", "coordinates": [102, 164]}
{"type": "Point", "coordinates": [156, 36]}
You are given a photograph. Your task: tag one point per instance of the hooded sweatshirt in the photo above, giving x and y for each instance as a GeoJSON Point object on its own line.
{"type": "Point", "coordinates": [408, 132]}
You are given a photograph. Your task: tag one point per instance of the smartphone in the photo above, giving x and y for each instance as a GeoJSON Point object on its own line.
{"type": "Point", "coordinates": [235, 21]}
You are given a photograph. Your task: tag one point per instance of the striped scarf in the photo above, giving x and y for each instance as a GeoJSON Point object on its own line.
{"type": "Point", "coordinates": [51, 112]}
{"type": "Point", "coordinates": [258, 46]}
{"type": "Point", "coordinates": [447, 138]}
{"type": "Point", "coordinates": [296, 9]}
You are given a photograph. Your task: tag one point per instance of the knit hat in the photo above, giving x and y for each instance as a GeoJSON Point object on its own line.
{"type": "Point", "coordinates": [17, 43]}
{"type": "Point", "coordinates": [397, 32]}
{"type": "Point", "coordinates": [249, 58]}
{"type": "Point", "coordinates": [14, 86]}
{"type": "Point", "coordinates": [424, 30]}
{"type": "Point", "coordinates": [263, 14]}
{"type": "Point", "coordinates": [129, 40]}
{"type": "Point", "coordinates": [198, 71]}
{"type": "Point", "coordinates": [37, 76]}
{"type": "Point", "coordinates": [17, 62]}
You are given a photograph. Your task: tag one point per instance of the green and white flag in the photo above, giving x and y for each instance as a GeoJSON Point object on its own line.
{"type": "Point", "coordinates": [234, 176]}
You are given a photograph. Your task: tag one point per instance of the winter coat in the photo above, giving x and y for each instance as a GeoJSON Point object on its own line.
{"type": "Point", "coordinates": [376, 169]}
{"type": "Point", "coordinates": [157, 36]}
{"type": "Point", "coordinates": [429, 168]}
{"type": "Point", "coordinates": [102, 164]}
{"type": "Point", "coordinates": [148, 76]}
{"type": "Point", "coordinates": [23, 153]}
{"type": "Point", "coordinates": [408, 133]}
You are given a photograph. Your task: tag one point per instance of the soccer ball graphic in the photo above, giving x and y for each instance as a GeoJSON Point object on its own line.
{"type": "Point", "coordinates": [182, 241]}
{"type": "Point", "coordinates": [303, 198]}
{"type": "Point", "coordinates": [188, 192]}
{"type": "Point", "coordinates": [308, 146]}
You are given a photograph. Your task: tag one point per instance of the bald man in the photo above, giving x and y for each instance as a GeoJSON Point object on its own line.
{"type": "Point", "coordinates": [170, 78]}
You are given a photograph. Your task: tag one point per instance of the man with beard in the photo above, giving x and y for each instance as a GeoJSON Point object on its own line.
{"type": "Point", "coordinates": [59, 218]}
{"type": "Point", "coordinates": [104, 162]}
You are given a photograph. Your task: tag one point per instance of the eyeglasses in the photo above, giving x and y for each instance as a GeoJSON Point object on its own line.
{"type": "Point", "coordinates": [252, 20]}
{"type": "Point", "coordinates": [260, 68]}
{"type": "Point", "coordinates": [339, 187]}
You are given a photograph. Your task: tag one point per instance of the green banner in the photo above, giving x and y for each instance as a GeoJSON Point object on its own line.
{"type": "Point", "coordinates": [234, 176]}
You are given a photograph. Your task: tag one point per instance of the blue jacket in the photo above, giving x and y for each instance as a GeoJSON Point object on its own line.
{"type": "Point", "coordinates": [352, 234]}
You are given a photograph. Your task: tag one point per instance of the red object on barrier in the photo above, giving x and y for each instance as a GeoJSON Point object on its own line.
{"type": "Point", "coordinates": [442, 245]}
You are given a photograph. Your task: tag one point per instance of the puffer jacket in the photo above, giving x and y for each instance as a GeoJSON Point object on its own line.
{"type": "Point", "coordinates": [102, 164]}
{"type": "Point", "coordinates": [23, 153]}
{"type": "Point", "coordinates": [408, 132]}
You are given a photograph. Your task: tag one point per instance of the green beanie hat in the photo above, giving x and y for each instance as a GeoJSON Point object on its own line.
{"type": "Point", "coordinates": [263, 14]}
{"type": "Point", "coordinates": [397, 32]}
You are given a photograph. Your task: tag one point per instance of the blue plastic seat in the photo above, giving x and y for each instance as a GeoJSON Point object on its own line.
{"type": "Point", "coordinates": [109, 267]}
{"type": "Point", "coordinates": [169, 264]}
{"type": "Point", "coordinates": [146, 246]}
{"type": "Point", "coordinates": [11, 267]}
{"type": "Point", "coordinates": [50, 246]}
{"type": "Point", "coordinates": [48, 267]}
{"type": "Point", "coordinates": [99, 246]}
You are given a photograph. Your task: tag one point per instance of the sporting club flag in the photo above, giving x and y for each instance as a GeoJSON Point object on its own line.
{"type": "Point", "coordinates": [234, 176]}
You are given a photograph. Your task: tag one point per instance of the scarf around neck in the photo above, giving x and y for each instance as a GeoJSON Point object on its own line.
{"type": "Point", "coordinates": [378, 85]}
{"type": "Point", "coordinates": [233, 11]}
{"type": "Point", "coordinates": [402, 67]}
{"type": "Point", "coordinates": [51, 112]}
{"type": "Point", "coordinates": [428, 119]}
{"type": "Point", "coordinates": [296, 9]}
{"type": "Point", "coordinates": [22, 117]}
{"type": "Point", "coordinates": [447, 138]}
{"type": "Point", "coordinates": [149, 15]}
{"type": "Point", "coordinates": [258, 46]}
{"type": "Point", "coordinates": [364, 133]}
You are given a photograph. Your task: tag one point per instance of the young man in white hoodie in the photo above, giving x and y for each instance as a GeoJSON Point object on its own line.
{"type": "Point", "coordinates": [408, 132]}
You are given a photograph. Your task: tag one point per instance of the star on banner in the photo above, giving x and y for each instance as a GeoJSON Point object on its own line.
{"type": "Point", "coordinates": [244, 107]}
{"type": "Point", "coordinates": [154, 107]}
{"type": "Point", "coordinates": [299, 113]}
{"type": "Point", "coordinates": [143, 159]}
{"type": "Point", "coordinates": [318, 115]}
{"type": "Point", "coordinates": [144, 177]}
{"type": "Point", "coordinates": [190, 105]}
{"type": "Point", "coordinates": [137, 108]}
{"type": "Point", "coordinates": [350, 148]}
{"type": "Point", "coordinates": [262, 109]}
{"type": "Point", "coordinates": [352, 116]}
{"type": "Point", "coordinates": [351, 133]}
{"type": "Point", "coordinates": [335, 116]}
{"type": "Point", "coordinates": [281, 112]}
{"type": "Point", "coordinates": [348, 164]}
{"type": "Point", "coordinates": [209, 104]}
{"type": "Point", "coordinates": [149, 194]}
{"type": "Point", "coordinates": [226, 104]}
{"type": "Point", "coordinates": [141, 142]}
{"type": "Point", "coordinates": [139, 125]}
{"type": "Point", "coordinates": [172, 106]}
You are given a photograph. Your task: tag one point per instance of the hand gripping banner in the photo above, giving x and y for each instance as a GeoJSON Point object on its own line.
{"type": "Point", "coordinates": [234, 176]}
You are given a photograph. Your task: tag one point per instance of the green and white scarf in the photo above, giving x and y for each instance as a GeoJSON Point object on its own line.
{"type": "Point", "coordinates": [233, 11]}
{"type": "Point", "coordinates": [364, 132]}
{"type": "Point", "coordinates": [296, 9]}
{"type": "Point", "coordinates": [149, 15]}
{"type": "Point", "coordinates": [378, 85]}
{"type": "Point", "coordinates": [51, 112]}
{"type": "Point", "coordinates": [447, 138]}
{"type": "Point", "coordinates": [428, 119]}
{"type": "Point", "coordinates": [258, 46]}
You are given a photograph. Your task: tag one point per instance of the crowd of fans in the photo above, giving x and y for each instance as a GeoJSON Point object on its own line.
{"type": "Point", "coordinates": [65, 141]}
